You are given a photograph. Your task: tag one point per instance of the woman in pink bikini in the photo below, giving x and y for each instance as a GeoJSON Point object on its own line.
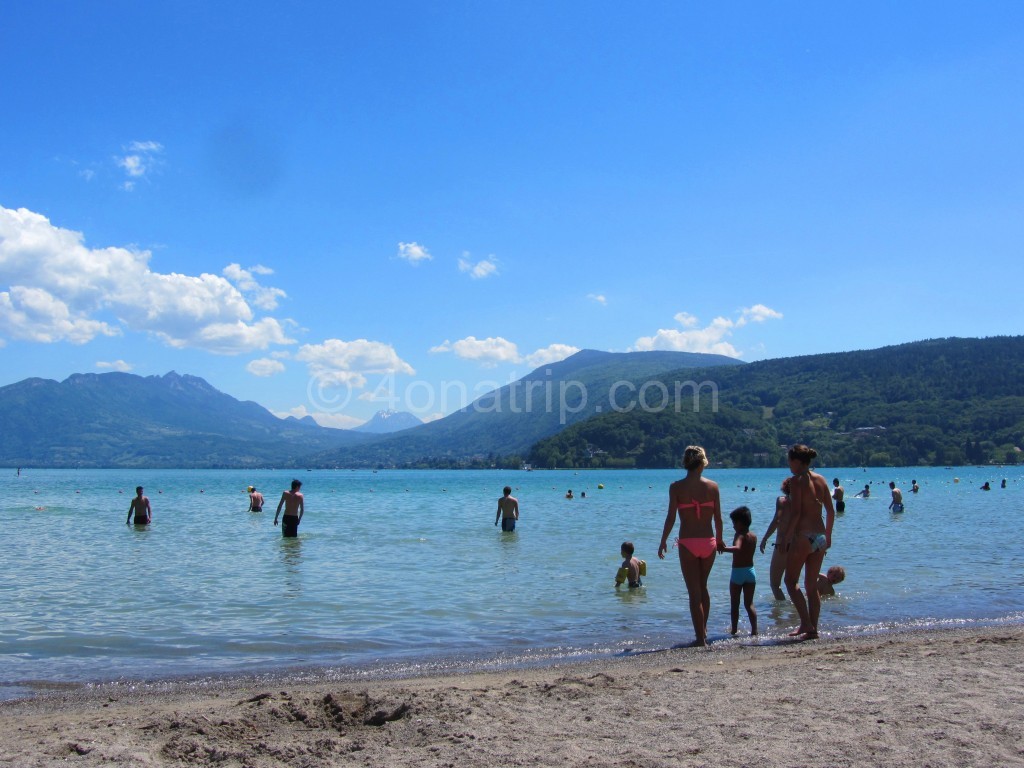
{"type": "Point", "coordinates": [696, 502]}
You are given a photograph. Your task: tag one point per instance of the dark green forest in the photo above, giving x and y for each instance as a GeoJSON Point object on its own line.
{"type": "Point", "coordinates": [941, 402]}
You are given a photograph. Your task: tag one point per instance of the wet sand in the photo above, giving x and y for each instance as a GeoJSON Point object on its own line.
{"type": "Point", "coordinates": [934, 698]}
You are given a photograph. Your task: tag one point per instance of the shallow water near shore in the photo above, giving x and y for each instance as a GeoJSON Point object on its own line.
{"type": "Point", "coordinates": [396, 572]}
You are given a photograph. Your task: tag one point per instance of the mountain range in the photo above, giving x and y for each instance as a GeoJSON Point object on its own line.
{"type": "Point", "coordinates": [388, 421]}
{"type": "Point", "coordinates": [124, 420]}
{"type": "Point", "coordinates": [944, 401]}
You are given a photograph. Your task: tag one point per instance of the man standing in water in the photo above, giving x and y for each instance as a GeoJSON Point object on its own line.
{"type": "Point", "coordinates": [508, 510]}
{"type": "Point", "coordinates": [809, 537]}
{"type": "Point", "coordinates": [896, 505]}
{"type": "Point", "coordinates": [838, 494]}
{"type": "Point", "coordinates": [140, 508]}
{"type": "Point", "coordinates": [255, 499]}
{"type": "Point", "coordinates": [294, 507]}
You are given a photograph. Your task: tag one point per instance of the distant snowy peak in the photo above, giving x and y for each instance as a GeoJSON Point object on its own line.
{"type": "Point", "coordinates": [384, 422]}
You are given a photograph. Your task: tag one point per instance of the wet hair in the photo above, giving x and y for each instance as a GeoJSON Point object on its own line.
{"type": "Point", "coordinates": [507, 490]}
{"type": "Point", "coordinates": [835, 481]}
{"type": "Point", "coordinates": [138, 489]}
{"type": "Point", "coordinates": [627, 548]}
{"type": "Point", "coordinates": [741, 518]}
{"type": "Point", "coordinates": [785, 486]}
{"type": "Point", "coordinates": [694, 457]}
{"type": "Point", "coordinates": [802, 453]}
{"type": "Point", "coordinates": [296, 484]}
{"type": "Point", "coordinates": [892, 484]}
{"type": "Point", "coordinates": [839, 571]}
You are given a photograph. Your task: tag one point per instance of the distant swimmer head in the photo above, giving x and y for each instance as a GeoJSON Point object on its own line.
{"type": "Point", "coordinates": [138, 489]}
{"type": "Point", "coordinates": [296, 484]}
{"type": "Point", "coordinates": [694, 457]}
{"type": "Point", "coordinates": [507, 490]}
{"type": "Point", "coordinates": [627, 549]}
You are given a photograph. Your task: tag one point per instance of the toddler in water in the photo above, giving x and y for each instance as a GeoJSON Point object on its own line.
{"type": "Point", "coordinates": [828, 580]}
{"type": "Point", "coordinates": [632, 568]}
{"type": "Point", "coordinates": [743, 579]}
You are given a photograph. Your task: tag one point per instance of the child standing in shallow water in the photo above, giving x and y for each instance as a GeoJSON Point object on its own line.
{"type": "Point", "coordinates": [743, 579]}
{"type": "Point", "coordinates": [632, 568]}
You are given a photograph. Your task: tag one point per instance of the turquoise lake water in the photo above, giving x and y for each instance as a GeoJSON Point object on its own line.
{"type": "Point", "coordinates": [404, 571]}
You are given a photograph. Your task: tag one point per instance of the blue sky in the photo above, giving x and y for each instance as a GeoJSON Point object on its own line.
{"type": "Point", "coordinates": [332, 208]}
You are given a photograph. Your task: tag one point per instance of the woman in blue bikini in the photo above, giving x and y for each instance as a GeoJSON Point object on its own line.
{"type": "Point", "coordinates": [695, 500]}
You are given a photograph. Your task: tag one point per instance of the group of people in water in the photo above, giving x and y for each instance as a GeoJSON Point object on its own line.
{"type": "Point", "coordinates": [291, 501]}
{"type": "Point", "coordinates": [803, 538]}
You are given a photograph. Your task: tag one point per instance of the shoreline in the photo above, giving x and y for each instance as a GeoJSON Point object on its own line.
{"type": "Point", "coordinates": [437, 666]}
{"type": "Point", "coordinates": [935, 697]}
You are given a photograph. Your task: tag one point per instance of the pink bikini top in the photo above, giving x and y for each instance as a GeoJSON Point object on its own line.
{"type": "Point", "coordinates": [696, 505]}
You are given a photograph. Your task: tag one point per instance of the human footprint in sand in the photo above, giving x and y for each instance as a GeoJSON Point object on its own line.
{"type": "Point", "coordinates": [809, 537]}
{"type": "Point", "coordinates": [696, 501]}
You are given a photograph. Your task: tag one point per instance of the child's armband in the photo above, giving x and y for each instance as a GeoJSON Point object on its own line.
{"type": "Point", "coordinates": [621, 575]}
{"type": "Point", "coordinates": [643, 567]}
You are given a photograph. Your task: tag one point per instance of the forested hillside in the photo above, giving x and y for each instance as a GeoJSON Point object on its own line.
{"type": "Point", "coordinates": [943, 402]}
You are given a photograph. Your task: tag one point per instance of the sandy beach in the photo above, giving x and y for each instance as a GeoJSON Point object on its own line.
{"type": "Point", "coordinates": [935, 698]}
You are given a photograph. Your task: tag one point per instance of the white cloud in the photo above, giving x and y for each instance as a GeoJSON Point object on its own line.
{"type": "Point", "coordinates": [60, 290]}
{"type": "Point", "coordinates": [757, 314]}
{"type": "Point", "coordinates": [481, 269]}
{"type": "Point", "coordinates": [551, 354]}
{"type": "Point", "coordinates": [598, 298]}
{"type": "Point", "coordinates": [264, 367]}
{"type": "Point", "coordinates": [336, 362]}
{"type": "Point", "coordinates": [333, 420]}
{"type": "Point", "coordinates": [34, 314]}
{"type": "Point", "coordinates": [261, 296]}
{"type": "Point", "coordinates": [117, 365]}
{"type": "Point", "coordinates": [139, 158]}
{"type": "Point", "coordinates": [686, 320]}
{"type": "Point", "coordinates": [233, 338]}
{"type": "Point", "coordinates": [710, 339]}
{"type": "Point", "coordinates": [414, 253]}
{"type": "Point", "coordinates": [489, 351]}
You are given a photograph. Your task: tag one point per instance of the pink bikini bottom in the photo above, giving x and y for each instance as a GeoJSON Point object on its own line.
{"type": "Point", "coordinates": [699, 548]}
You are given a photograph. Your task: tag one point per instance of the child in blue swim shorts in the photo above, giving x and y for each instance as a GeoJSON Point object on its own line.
{"type": "Point", "coordinates": [743, 580]}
